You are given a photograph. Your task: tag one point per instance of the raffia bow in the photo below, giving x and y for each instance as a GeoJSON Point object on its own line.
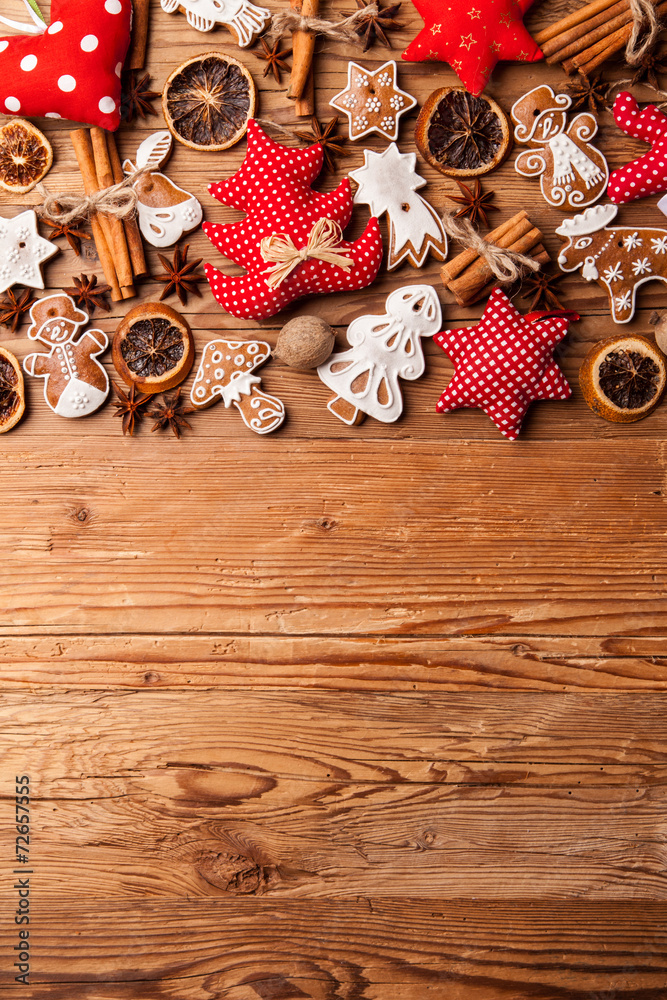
{"type": "Point", "coordinates": [323, 244]}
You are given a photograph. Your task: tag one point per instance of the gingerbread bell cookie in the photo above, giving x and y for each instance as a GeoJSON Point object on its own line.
{"type": "Point", "coordinates": [75, 383]}
{"type": "Point", "coordinates": [572, 171]}
{"type": "Point", "coordinates": [226, 373]}
{"type": "Point", "coordinates": [373, 101]}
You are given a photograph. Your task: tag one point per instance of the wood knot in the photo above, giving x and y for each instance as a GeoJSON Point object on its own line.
{"type": "Point", "coordinates": [151, 677]}
{"type": "Point", "coordinates": [82, 514]}
{"type": "Point", "coordinates": [236, 873]}
{"type": "Point", "coordinates": [326, 523]}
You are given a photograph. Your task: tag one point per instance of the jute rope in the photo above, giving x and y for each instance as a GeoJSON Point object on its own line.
{"type": "Point", "coordinates": [646, 26]}
{"type": "Point", "coordinates": [338, 31]}
{"type": "Point", "coordinates": [119, 201]}
{"type": "Point", "coordinates": [506, 265]}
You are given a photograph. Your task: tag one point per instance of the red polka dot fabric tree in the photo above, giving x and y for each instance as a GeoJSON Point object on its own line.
{"type": "Point", "coordinates": [290, 242]}
{"type": "Point", "coordinates": [648, 173]}
{"type": "Point", "coordinates": [71, 67]}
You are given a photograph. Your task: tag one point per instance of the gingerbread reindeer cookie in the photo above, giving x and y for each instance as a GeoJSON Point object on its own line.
{"type": "Point", "coordinates": [572, 172]}
{"type": "Point", "coordinates": [75, 383]}
{"type": "Point", "coordinates": [226, 372]}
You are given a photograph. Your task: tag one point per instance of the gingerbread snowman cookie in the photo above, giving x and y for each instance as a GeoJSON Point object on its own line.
{"type": "Point", "coordinates": [75, 383]}
{"type": "Point", "coordinates": [572, 172]}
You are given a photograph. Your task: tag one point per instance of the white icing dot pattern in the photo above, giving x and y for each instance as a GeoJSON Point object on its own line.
{"type": "Point", "coordinates": [381, 99]}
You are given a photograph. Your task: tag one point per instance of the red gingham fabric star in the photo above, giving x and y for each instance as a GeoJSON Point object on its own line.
{"type": "Point", "coordinates": [648, 173]}
{"type": "Point", "coordinates": [505, 362]}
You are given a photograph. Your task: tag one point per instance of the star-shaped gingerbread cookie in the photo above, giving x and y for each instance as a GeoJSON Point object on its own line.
{"type": "Point", "coordinates": [22, 252]}
{"type": "Point", "coordinates": [505, 362]}
{"type": "Point", "coordinates": [372, 101]}
{"type": "Point", "coordinates": [472, 39]}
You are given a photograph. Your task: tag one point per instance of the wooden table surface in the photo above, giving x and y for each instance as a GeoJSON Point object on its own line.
{"type": "Point", "coordinates": [369, 713]}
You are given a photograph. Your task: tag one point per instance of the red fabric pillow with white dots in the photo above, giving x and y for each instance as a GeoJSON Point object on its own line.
{"type": "Point", "coordinates": [72, 69]}
{"type": "Point", "coordinates": [648, 173]}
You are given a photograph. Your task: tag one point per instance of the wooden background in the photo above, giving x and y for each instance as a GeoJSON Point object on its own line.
{"type": "Point", "coordinates": [367, 713]}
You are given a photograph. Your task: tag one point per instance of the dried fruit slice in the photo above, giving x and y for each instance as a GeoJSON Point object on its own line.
{"type": "Point", "coordinates": [12, 391]}
{"type": "Point", "coordinates": [462, 135]}
{"type": "Point", "coordinates": [153, 348]}
{"type": "Point", "coordinates": [208, 100]}
{"type": "Point", "coordinates": [623, 378]}
{"type": "Point", "coordinates": [25, 156]}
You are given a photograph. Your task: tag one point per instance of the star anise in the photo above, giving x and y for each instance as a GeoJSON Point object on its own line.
{"type": "Point", "coordinates": [372, 27]}
{"type": "Point", "coordinates": [137, 100]}
{"type": "Point", "coordinates": [130, 406]}
{"type": "Point", "coordinates": [326, 136]}
{"type": "Point", "coordinates": [648, 69]}
{"type": "Point", "coordinates": [180, 277]}
{"type": "Point", "coordinates": [540, 286]}
{"type": "Point", "coordinates": [12, 308]}
{"type": "Point", "coordinates": [274, 58]}
{"type": "Point", "coordinates": [171, 412]}
{"type": "Point", "coordinates": [67, 229]}
{"type": "Point", "coordinates": [88, 294]}
{"type": "Point", "coordinates": [475, 203]}
{"type": "Point", "coordinates": [590, 92]}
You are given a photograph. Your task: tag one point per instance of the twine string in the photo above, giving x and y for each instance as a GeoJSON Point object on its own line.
{"type": "Point", "coordinates": [323, 244]}
{"type": "Point", "coordinates": [338, 31]}
{"type": "Point", "coordinates": [645, 26]}
{"type": "Point", "coordinates": [119, 201]}
{"type": "Point", "coordinates": [506, 265]}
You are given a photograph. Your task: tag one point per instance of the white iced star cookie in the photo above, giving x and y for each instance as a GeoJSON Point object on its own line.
{"type": "Point", "coordinates": [22, 252]}
{"type": "Point", "coordinates": [372, 101]}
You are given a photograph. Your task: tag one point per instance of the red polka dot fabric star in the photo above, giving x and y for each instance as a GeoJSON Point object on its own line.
{"type": "Point", "coordinates": [273, 187]}
{"type": "Point", "coordinates": [648, 173]}
{"type": "Point", "coordinates": [71, 70]}
{"type": "Point", "coordinates": [505, 362]}
{"type": "Point", "coordinates": [472, 36]}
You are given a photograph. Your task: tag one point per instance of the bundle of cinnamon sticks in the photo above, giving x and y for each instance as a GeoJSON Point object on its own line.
{"type": "Point", "coordinates": [469, 277]}
{"type": "Point", "coordinates": [582, 41]}
{"type": "Point", "coordinates": [118, 241]}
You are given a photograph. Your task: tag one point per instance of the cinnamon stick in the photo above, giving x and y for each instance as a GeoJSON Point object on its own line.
{"type": "Point", "coordinates": [116, 232]}
{"type": "Point", "coordinates": [519, 223]}
{"type": "Point", "coordinates": [577, 17]}
{"type": "Point", "coordinates": [131, 226]}
{"type": "Point", "coordinates": [583, 35]}
{"type": "Point", "coordinates": [136, 57]}
{"type": "Point", "coordinates": [83, 150]}
{"type": "Point", "coordinates": [304, 107]}
{"type": "Point", "coordinates": [303, 47]}
{"type": "Point", "coordinates": [588, 60]}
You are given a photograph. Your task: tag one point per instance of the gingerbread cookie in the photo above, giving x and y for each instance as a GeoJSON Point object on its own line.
{"type": "Point", "coordinates": [372, 101]}
{"type": "Point", "coordinates": [22, 252]}
{"type": "Point", "coordinates": [244, 19]}
{"type": "Point", "coordinates": [225, 372]}
{"type": "Point", "coordinates": [572, 172]}
{"type": "Point", "coordinates": [166, 212]}
{"type": "Point", "coordinates": [619, 258]}
{"type": "Point", "coordinates": [388, 183]}
{"type": "Point", "coordinates": [648, 173]}
{"type": "Point", "coordinates": [384, 348]}
{"type": "Point", "coordinates": [75, 383]}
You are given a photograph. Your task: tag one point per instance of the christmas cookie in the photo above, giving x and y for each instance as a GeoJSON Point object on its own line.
{"type": "Point", "coordinates": [71, 67]}
{"type": "Point", "coordinates": [572, 172]}
{"type": "Point", "coordinates": [619, 258]}
{"type": "Point", "coordinates": [505, 362]}
{"type": "Point", "coordinates": [623, 378]}
{"type": "Point", "coordinates": [244, 19]}
{"type": "Point", "coordinates": [226, 372]}
{"type": "Point", "coordinates": [383, 349]}
{"type": "Point", "coordinates": [166, 212]}
{"type": "Point", "coordinates": [75, 383]}
{"type": "Point", "coordinates": [473, 37]}
{"type": "Point", "coordinates": [388, 183]}
{"type": "Point", "coordinates": [12, 391]}
{"type": "Point", "coordinates": [372, 101]}
{"type": "Point", "coordinates": [648, 173]}
{"type": "Point", "coordinates": [22, 252]}
{"type": "Point", "coordinates": [291, 241]}
{"type": "Point", "coordinates": [153, 348]}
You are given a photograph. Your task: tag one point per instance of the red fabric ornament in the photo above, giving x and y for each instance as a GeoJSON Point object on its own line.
{"type": "Point", "coordinates": [648, 173]}
{"type": "Point", "coordinates": [505, 362]}
{"type": "Point", "coordinates": [473, 38]}
{"type": "Point", "coordinates": [286, 220]}
{"type": "Point", "coordinates": [72, 69]}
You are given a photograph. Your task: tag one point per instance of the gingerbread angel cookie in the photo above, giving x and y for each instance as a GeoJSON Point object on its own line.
{"type": "Point", "coordinates": [572, 172]}
{"type": "Point", "coordinates": [75, 383]}
{"type": "Point", "coordinates": [226, 372]}
{"type": "Point", "coordinates": [245, 20]}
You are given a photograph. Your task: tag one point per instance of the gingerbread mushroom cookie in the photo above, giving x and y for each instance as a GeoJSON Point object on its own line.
{"type": "Point", "coordinates": [373, 101]}
{"type": "Point", "coordinates": [226, 372]}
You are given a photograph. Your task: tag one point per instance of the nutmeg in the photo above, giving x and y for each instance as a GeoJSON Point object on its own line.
{"type": "Point", "coordinates": [659, 322]}
{"type": "Point", "coordinates": [305, 342]}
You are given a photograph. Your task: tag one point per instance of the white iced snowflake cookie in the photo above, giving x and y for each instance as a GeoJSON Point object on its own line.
{"type": "Point", "coordinates": [22, 252]}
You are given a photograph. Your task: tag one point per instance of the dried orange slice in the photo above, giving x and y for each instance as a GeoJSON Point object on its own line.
{"type": "Point", "coordinates": [12, 391]}
{"type": "Point", "coordinates": [208, 100]}
{"type": "Point", "coordinates": [461, 134]}
{"type": "Point", "coordinates": [623, 378]}
{"type": "Point", "coordinates": [25, 156]}
{"type": "Point", "coordinates": [153, 348]}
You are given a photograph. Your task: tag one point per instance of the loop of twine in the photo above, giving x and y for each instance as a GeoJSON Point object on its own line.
{"type": "Point", "coordinates": [119, 201]}
{"type": "Point", "coordinates": [645, 22]}
{"type": "Point", "coordinates": [337, 31]}
{"type": "Point", "coordinates": [323, 244]}
{"type": "Point", "coordinates": [506, 265]}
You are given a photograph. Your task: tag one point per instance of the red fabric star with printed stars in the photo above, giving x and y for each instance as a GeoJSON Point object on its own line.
{"type": "Point", "coordinates": [472, 35]}
{"type": "Point", "coordinates": [505, 362]}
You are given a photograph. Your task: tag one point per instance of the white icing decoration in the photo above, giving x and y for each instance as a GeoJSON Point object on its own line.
{"type": "Point", "coordinates": [22, 249]}
{"type": "Point", "coordinates": [381, 86]}
{"type": "Point", "coordinates": [245, 18]}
